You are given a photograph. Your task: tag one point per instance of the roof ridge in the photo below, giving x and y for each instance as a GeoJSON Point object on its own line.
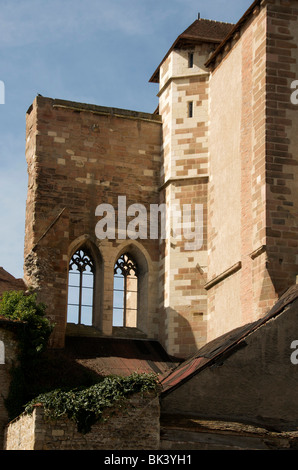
{"type": "Point", "coordinates": [236, 27]}
{"type": "Point", "coordinates": [215, 21]}
{"type": "Point", "coordinates": [216, 348]}
{"type": "Point", "coordinates": [201, 30]}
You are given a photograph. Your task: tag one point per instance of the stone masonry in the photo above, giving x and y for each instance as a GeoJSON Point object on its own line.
{"type": "Point", "coordinates": [9, 349]}
{"type": "Point", "coordinates": [222, 140]}
{"type": "Point", "coordinates": [78, 157]}
{"type": "Point", "coordinates": [36, 431]}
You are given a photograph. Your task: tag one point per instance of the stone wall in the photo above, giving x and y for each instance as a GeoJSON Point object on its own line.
{"type": "Point", "coordinates": [9, 351]}
{"type": "Point", "coordinates": [184, 179]}
{"type": "Point", "coordinates": [252, 226]}
{"type": "Point", "coordinates": [232, 154]}
{"type": "Point", "coordinates": [135, 427]}
{"type": "Point", "coordinates": [282, 143]}
{"type": "Point", "coordinates": [80, 157]}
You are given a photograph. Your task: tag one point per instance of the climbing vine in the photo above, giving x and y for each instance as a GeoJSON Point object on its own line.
{"type": "Point", "coordinates": [85, 406]}
{"type": "Point", "coordinates": [33, 333]}
{"type": "Point", "coordinates": [22, 307]}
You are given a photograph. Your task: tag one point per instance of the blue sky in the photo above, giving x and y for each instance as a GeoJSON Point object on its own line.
{"type": "Point", "coordinates": [97, 51]}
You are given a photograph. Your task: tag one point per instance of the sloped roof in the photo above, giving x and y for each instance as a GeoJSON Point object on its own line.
{"type": "Point", "coordinates": [201, 30]}
{"type": "Point", "coordinates": [207, 30]}
{"type": "Point", "coordinates": [222, 346]}
{"type": "Point", "coordinates": [9, 282]}
{"type": "Point", "coordinates": [119, 356]}
{"type": "Point", "coordinates": [233, 31]}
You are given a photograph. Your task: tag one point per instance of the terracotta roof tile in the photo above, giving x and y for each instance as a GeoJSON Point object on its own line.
{"type": "Point", "coordinates": [233, 31]}
{"type": "Point", "coordinates": [208, 29]}
{"type": "Point", "coordinates": [9, 282]}
{"type": "Point", "coordinates": [201, 30]}
{"type": "Point", "coordinates": [215, 349]}
{"type": "Point", "coordinates": [119, 355]}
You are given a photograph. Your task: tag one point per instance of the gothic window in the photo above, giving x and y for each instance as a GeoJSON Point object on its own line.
{"type": "Point", "coordinates": [80, 288]}
{"type": "Point", "coordinates": [125, 299]}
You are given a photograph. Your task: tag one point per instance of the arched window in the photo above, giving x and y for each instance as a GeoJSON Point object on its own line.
{"type": "Point", "coordinates": [125, 298]}
{"type": "Point", "coordinates": [80, 288]}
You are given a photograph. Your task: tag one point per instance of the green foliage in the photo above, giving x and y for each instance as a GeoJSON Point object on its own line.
{"type": "Point", "coordinates": [18, 306]}
{"type": "Point", "coordinates": [86, 405]}
{"type": "Point", "coordinates": [32, 334]}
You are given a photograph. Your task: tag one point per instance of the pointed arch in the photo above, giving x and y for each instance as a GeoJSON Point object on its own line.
{"type": "Point", "coordinates": [80, 288]}
{"type": "Point", "coordinates": [85, 283]}
{"type": "Point", "coordinates": [125, 293]}
{"type": "Point", "coordinates": [131, 269]}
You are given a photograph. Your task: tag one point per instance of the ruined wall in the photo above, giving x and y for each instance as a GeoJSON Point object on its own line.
{"type": "Point", "coordinates": [80, 156]}
{"type": "Point", "coordinates": [232, 154]}
{"type": "Point", "coordinates": [184, 177]}
{"type": "Point", "coordinates": [135, 427]}
{"type": "Point", "coordinates": [8, 359]}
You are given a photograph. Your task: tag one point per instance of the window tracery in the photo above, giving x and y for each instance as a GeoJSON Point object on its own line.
{"type": "Point", "coordinates": [125, 292]}
{"type": "Point", "coordinates": [80, 288]}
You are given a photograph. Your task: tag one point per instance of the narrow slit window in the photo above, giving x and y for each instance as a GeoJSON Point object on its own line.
{"type": "Point", "coordinates": [125, 292]}
{"type": "Point", "coordinates": [190, 109]}
{"type": "Point", "coordinates": [80, 289]}
{"type": "Point", "coordinates": [190, 60]}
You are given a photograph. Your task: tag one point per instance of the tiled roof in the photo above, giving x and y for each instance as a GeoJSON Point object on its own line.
{"type": "Point", "coordinates": [119, 356]}
{"type": "Point", "coordinates": [208, 30]}
{"type": "Point", "coordinates": [201, 30]}
{"type": "Point", "coordinates": [9, 282]}
{"type": "Point", "coordinates": [233, 31]}
{"type": "Point", "coordinates": [221, 346]}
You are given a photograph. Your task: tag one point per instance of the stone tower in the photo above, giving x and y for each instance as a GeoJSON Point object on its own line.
{"type": "Point", "coordinates": [184, 106]}
{"type": "Point", "coordinates": [220, 154]}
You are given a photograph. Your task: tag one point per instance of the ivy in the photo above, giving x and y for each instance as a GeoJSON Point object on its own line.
{"type": "Point", "coordinates": [22, 307]}
{"type": "Point", "coordinates": [32, 335]}
{"type": "Point", "coordinates": [85, 406]}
